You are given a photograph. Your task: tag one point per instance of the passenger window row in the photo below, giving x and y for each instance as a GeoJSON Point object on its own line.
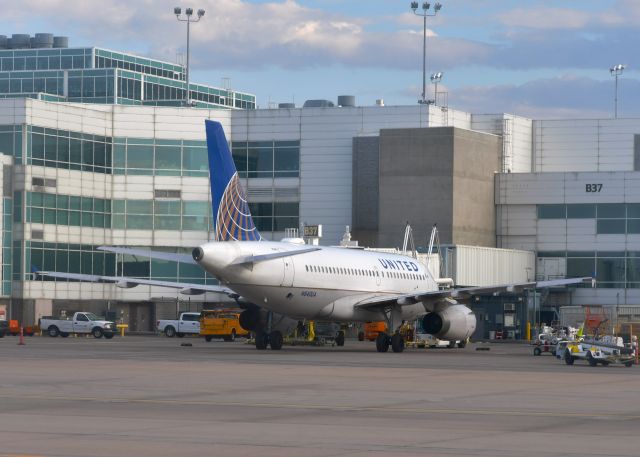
{"type": "Point", "coordinates": [361, 272]}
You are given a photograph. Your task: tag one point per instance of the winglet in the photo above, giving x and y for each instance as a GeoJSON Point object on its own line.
{"type": "Point", "coordinates": [230, 207]}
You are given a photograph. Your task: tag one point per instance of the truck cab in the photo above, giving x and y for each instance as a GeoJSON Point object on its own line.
{"type": "Point", "coordinates": [187, 324]}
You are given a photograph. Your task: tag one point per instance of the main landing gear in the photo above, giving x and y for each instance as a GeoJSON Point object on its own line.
{"type": "Point", "coordinates": [383, 341]}
{"type": "Point", "coordinates": [273, 339]}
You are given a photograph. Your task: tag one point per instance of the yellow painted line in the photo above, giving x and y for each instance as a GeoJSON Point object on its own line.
{"type": "Point", "coordinates": [301, 406]}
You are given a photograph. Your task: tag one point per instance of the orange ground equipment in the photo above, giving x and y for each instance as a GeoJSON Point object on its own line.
{"type": "Point", "coordinates": [14, 328]}
{"type": "Point", "coordinates": [595, 320]}
{"type": "Point", "coordinates": [221, 323]}
{"type": "Point", "coordinates": [371, 330]}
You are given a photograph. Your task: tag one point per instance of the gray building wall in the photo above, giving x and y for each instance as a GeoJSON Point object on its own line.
{"type": "Point", "coordinates": [476, 159]}
{"type": "Point", "coordinates": [366, 168]}
{"type": "Point", "coordinates": [440, 175]}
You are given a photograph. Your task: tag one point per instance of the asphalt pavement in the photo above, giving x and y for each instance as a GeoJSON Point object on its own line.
{"type": "Point", "coordinates": [152, 396]}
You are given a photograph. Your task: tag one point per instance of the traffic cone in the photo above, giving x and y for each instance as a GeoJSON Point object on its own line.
{"type": "Point", "coordinates": [21, 342]}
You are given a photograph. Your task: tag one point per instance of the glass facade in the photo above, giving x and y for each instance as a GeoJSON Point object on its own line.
{"type": "Point", "coordinates": [275, 217]}
{"type": "Point", "coordinates": [267, 159]}
{"type": "Point", "coordinates": [159, 214]}
{"type": "Point", "coordinates": [99, 154]}
{"type": "Point", "coordinates": [7, 227]}
{"type": "Point", "coordinates": [136, 156]}
{"type": "Point", "coordinates": [68, 150]}
{"type": "Point", "coordinates": [612, 269]}
{"type": "Point", "coordinates": [611, 218]}
{"type": "Point", "coordinates": [94, 75]}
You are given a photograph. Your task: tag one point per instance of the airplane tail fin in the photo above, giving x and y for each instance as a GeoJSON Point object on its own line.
{"type": "Point", "coordinates": [232, 217]}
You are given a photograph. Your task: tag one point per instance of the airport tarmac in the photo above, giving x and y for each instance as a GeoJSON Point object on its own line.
{"type": "Point", "coordinates": [150, 396]}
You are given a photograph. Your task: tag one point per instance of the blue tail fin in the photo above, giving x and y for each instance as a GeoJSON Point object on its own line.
{"type": "Point", "coordinates": [232, 217]}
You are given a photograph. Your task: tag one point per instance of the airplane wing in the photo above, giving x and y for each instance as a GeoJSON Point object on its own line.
{"type": "Point", "coordinates": [436, 300]}
{"type": "Point", "coordinates": [127, 283]}
{"type": "Point", "coordinates": [187, 258]}
{"type": "Point", "coordinates": [170, 256]}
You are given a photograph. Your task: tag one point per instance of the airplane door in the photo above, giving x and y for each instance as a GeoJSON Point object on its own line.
{"type": "Point", "coordinates": [287, 280]}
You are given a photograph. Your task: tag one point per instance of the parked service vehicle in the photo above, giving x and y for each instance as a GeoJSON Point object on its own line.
{"type": "Point", "coordinates": [605, 352]}
{"type": "Point", "coordinates": [221, 323]}
{"type": "Point", "coordinates": [187, 324]}
{"type": "Point", "coordinates": [371, 330]}
{"type": "Point", "coordinates": [80, 323]}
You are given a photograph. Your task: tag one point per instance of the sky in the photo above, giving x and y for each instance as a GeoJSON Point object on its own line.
{"type": "Point", "coordinates": [542, 59]}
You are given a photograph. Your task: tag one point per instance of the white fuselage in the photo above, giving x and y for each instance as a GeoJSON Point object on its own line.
{"type": "Point", "coordinates": [324, 284]}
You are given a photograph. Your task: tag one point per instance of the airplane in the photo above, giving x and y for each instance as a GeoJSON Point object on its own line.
{"type": "Point", "coordinates": [301, 281]}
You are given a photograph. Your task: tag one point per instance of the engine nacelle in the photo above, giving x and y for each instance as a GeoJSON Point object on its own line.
{"type": "Point", "coordinates": [251, 319]}
{"type": "Point", "coordinates": [457, 322]}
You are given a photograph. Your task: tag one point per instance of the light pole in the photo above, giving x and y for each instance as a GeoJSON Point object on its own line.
{"type": "Point", "coordinates": [615, 71]}
{"type": "Point", "coordinates": [435, 79]}
{"type": "Point", "coordinates": [188, 19]}
{"type": "Point", "coordinates": [425, 13]}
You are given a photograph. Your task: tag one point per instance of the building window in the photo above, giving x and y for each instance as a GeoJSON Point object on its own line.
{"type": "Point", "coordinates": [611, 210]}
{"type": "Point", "coordinates": [611, 226]}
{"type": "Point", "coordinates": [69, 150]}
{"type": "Point", "coordinates": [267, 159]}
{"type": "Point", "coordinates": [581, 211]}
{"type": "Point", "coordinates": [552, 211]}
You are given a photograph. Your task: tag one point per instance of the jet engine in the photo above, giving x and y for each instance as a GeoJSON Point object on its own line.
{"type": "Point", "coordinates": [251, 319]}
{"type": "Point", "coordinates": [457, 322]}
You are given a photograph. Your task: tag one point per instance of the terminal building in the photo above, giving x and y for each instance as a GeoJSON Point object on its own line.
{"type": "Point", "coordinates": [129, 168]}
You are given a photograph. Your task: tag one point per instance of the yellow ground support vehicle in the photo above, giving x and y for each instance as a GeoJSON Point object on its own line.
{"type": "Point", "coordinates": [221, 323]}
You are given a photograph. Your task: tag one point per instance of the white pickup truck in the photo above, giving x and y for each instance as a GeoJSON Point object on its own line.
{"type": "Point", "coordinates": [80, 323]}
{"type": "Point", "coordinates": [187, 324]}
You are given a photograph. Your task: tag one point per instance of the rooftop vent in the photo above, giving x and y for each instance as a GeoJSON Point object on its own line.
{"type": "Point", "coordinates": [347, 100]}
{"type": "Point", "coordinates": [20, 41]}
{"type": "Point", "coordinates": [60, 41]}
{"type": "Point", "coordinates": [318, 104]}
{"type": "Point", "coordinates": [39, 41]}
{"type": "Point", "coordinates": [44, 40]}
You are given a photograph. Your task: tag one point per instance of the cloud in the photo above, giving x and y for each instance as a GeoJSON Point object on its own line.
{"type": "Point", "coordinates": [621, 13]}
{"type": "Point", "coordinates": [564, 96]}
{"type": "Point", "coordinates": [545, 18]}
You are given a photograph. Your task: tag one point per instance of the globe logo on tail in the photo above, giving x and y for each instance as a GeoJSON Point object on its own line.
{"type": "Point", "coordinates": [233, 221]}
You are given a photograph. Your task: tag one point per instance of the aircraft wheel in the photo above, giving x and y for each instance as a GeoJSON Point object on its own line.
{"type": "Point", "coordinates": [262, 340]}
{"type": "Point", "coordinates": [592, 361]}
{"type": "Point", "coordinates": [360, 336]}
{"type": "Point", "coordinates": [397, 343]}
{"type": "Point", "coordinates": [275, 340]}
{"type": "Point", "coordinates": [340, 338]}
{"type": "Point", "coordinates": [462, 344]}
{"type": "Point", "coordinates": [382, 342]}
